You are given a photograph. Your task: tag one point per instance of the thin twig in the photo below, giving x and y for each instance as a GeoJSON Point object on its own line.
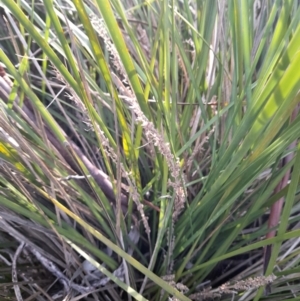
{"type": "Point", "coordinates": [14, 272]}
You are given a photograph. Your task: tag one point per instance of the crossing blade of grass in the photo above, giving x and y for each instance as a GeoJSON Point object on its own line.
{"type": "Point", "coordinates": [125, 287]}
{"type": "Point", "coordinates": [278, 239]}
{"type": "Point", "coordinates": [124, 255]}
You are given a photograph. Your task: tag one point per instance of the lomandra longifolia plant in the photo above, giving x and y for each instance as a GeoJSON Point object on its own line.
{"type": "Point", "coordinates": [149, 150]}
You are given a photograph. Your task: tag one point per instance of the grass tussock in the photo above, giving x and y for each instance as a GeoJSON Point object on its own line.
{"type": "Point", "coordinates": [149, 150]}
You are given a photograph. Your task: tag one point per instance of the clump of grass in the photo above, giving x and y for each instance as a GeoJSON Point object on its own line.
{"type": "Point", "coordinates": [147, 150]}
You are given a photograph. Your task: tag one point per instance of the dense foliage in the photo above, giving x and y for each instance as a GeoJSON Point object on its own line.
{"type": "Point", "coordinates": [149, 150]}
